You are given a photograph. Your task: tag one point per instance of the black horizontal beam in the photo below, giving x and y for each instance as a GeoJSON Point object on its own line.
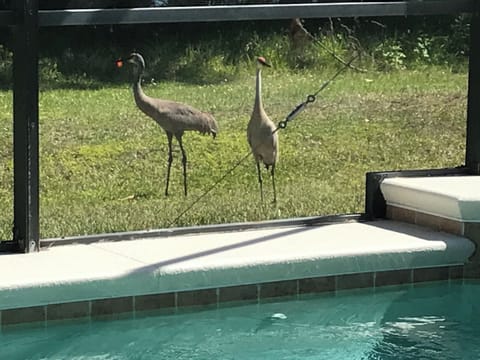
{"type": "Point", "coordinates": [244, 12]}
{"type": "Point", "coordinates": [250, 12]}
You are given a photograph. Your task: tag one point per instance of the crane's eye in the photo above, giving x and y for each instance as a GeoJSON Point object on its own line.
{"type": "Point", "coordinates": [119, 63]}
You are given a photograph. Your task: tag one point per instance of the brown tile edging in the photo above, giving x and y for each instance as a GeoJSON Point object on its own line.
{"type": "Point", "coordinates": [129, 306]}
{"type": "Point", "coordinates": [431, 221]}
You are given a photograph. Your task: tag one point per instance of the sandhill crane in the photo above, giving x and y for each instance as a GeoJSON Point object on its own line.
{"type": "Point", "coordinates": [175, 118]}
{"type": "Point", "coordinates": [262, 134]}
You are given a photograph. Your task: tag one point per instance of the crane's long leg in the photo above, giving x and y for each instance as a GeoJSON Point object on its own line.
{"type": "Point", "coordinates": [170, 159]}
{"type": "Point", "coordinates": [184, 162]}
{"type": "Point", "coordinates": [273, 184]}
{"type": "Point", "coordinates": [260, 180]}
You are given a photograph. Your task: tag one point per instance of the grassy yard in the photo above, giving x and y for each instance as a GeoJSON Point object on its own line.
{"type": "Point", "coordinates": [103, 162]}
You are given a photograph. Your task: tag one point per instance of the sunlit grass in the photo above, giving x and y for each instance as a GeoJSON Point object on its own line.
{"type": "Point", "coordinates": [103, 162]}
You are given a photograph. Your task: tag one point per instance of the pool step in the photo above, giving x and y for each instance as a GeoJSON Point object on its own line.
{"type": "Point", "coordinates": [443, 203]}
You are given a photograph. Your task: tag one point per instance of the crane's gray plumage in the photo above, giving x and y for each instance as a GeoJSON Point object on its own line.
{"type": "Point", "coordinates": [261, 133]}
{"type": "Point", "coordinates": [175, 118]}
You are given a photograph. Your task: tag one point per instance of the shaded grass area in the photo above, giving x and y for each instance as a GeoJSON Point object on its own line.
{"type": "Point", "coordinates": [103, 162]}
{"type": "Point", "coordinates": [208, 53]}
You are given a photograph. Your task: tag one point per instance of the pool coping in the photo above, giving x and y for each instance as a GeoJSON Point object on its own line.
{"type": "Point", "coordinates": [172, 302]}
{"type": "Point", "coordinates": [429, 255]}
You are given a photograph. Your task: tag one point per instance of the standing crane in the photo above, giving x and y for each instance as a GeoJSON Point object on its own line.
{"type": "Point", "coordinates": [173, 117]}
{"type": "Point", "coordinates": [261, 133]}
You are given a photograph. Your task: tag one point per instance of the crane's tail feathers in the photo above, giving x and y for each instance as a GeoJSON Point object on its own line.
{"type": "Point", "coordinates": [213, 125]}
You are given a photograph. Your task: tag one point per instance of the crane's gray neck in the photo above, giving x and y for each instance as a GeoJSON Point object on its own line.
{"type": "Point", "coordinates": [137, 84]}
{"type": "Point", "coordinates": [258, 93]}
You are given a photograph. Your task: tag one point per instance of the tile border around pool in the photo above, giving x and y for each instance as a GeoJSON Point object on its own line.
{"type": "Point", "coordinates": [128, 306]}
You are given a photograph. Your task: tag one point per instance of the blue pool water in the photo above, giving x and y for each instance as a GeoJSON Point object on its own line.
{"type": "Point", "coordinates": [428, 321]}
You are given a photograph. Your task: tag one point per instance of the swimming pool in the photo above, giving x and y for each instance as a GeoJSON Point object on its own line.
{"type": "Point", "coordinates": [424, 321]}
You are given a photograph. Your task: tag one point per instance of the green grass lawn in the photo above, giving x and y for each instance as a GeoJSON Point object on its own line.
{"type": "Point", "coordinates": [98, 151]}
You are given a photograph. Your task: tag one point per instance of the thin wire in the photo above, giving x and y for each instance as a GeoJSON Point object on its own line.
{"type": "Point", "coordinates": [311, 98]}
{"type": "Point", "coordinates": [326, 83]}
{"type": "Point", "coordinates": [330, 51]}
{"type": "Point", "coordinates": [238, 163]}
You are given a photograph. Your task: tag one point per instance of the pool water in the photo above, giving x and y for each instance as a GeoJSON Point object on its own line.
{"type": "Point", "coordinates": [427, 321]}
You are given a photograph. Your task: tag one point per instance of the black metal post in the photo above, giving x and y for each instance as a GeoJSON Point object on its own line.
{"type": "Point", "coordinates": [472, 156]}
{"type": "Point", "coordinates": [25, 126]}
